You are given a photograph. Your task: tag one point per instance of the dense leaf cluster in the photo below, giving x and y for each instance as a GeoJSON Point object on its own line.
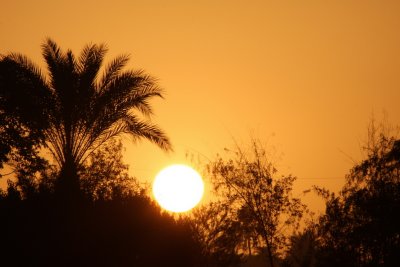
{"type": "Point", "coordinates": [361, 224]}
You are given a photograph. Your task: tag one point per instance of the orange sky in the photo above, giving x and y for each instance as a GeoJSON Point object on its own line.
{"type": "Point", "coordinates": [304, 76]}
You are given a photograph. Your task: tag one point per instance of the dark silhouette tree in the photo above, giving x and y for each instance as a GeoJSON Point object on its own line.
{"type": "Point", "coordinates": [261, 203]}
{"type": "Point", "coordinates": [78, 106]}
{"type": "Point", "coordinates": [302, 249]}
{"type": "Point", "coordinates": [21, 132]}
{"type": "Point", "coordinates": [361, 223]}
{"type": "Point", "coordinates": [105, 176]}
{"type": "Point", "coordinates": [217, 234]}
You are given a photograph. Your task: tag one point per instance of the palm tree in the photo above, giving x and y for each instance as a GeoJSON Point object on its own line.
{"type": "Point", "coordinates": [80, 105]}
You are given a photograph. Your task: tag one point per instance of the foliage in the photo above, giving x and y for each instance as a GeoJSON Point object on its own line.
{"type": "Point", "coordinates": [261, 210]}
{"type": "Point", "coordinates": [115, 224]}
{"type": "Point", "coordinates": [105, 176]}
{"type": "Point", "coordinates": [77, 107]}
{"type": "Point", "coordinates": [360, 227]}
{"type": "Point", "coordinates": [217, 233]}
{"type": "Point", "coordinates": [303, 249]}
{"type": "Point", "coordinates": [20, 137]}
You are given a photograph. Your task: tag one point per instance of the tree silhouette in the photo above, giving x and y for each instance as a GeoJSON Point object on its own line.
{"type": "Point", "coordinates": [105, 176]}
{"type": "Point", "coordinates": [21, 132]}
{"type": "Point", "coordinates": [302, 250]}
{"type": "Point", "coordinates": [78, 106]}
{"type": "Point", "coordinates": [217, 233]}
{"type": "Point", "coordinates": [262, 208]}
{"type": "Point", "coordinates": [361, 224]}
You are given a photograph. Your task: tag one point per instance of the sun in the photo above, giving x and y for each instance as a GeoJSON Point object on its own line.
{"type": "Point", "coordinates": [178, 188]}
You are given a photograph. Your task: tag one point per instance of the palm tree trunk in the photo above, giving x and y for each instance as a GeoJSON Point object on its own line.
{"type": "Point", "coordinates": [68, 182]}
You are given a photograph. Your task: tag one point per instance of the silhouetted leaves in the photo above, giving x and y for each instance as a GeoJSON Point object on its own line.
{"type": "Point", "coordinates": [256, 209]}
{"type": "Point", "coordinates": [72, 111]}
{"type": "Point", "coordinates": [218, 234]}
{"type": "Point", "coordinates": [361, 224]}
{"type": "Point", "coordinates": [105, 176]}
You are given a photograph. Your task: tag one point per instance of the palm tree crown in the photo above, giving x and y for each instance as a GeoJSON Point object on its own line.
{"type": "Point", "coordinates": [81, 104]}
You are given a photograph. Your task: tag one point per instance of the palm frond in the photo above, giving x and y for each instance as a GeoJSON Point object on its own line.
{"type": "Point", "coordinates": [25, 63]}
{"type": "Point", "coordinates": [82, 110]}
{"type": "Point", "coordinates": [139, 97]}
{"type": "Point", "coordinates": [92, 144]}
{"type": "Point", "coordinates": [89, 64]}
{"type": "Point", "coordinates": [87, 69]}
{"type": "Point", "coordinates": [141, 129]}
{"type": "Point", "coordinates": [52, 55]}
{"type": "Point", "coordinates": [130, 90]}
{"type": "Point", "coordinates": [147, 85]}
{"type": "Point", "coordinates": [62, 75]}
{"type": "Point", "coordinates": [112, 71]}
{"type": "Point", "coordinates": [26, 89]}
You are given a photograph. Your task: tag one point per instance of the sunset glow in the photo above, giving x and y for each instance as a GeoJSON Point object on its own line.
{"type": "Point", "coordinates": [178, 188]}
{"type": "Point", "coordinates": [200, 133]}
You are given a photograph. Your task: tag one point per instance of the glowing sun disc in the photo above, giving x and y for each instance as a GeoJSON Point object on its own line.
{"type": "Point", "coordinates": [178, 188]}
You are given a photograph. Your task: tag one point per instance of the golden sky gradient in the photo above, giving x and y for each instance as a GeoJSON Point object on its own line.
{"type": "Point", "coordinates": [304, 76]}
